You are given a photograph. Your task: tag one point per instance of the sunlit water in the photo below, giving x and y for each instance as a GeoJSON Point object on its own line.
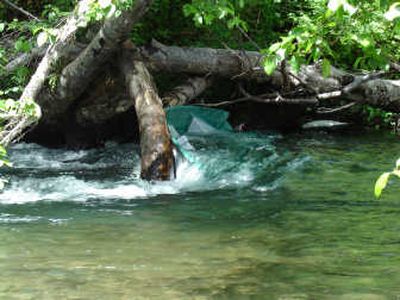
{"type": "Point", "coordinates": [256, 217]}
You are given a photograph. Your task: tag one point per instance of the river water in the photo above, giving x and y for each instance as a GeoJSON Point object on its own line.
{"type": "Point", "coordinates": [257, 216]}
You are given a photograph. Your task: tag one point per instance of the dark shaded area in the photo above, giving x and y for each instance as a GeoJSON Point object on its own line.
{"type": "Point", "coordinates": [258, 116]}
{"type": "Point", "coordinates": [121, 128]}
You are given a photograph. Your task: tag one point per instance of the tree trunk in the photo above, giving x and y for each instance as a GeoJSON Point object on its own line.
{"type": "Point", "coordinates": [247, 65]}
{"type": "Point", "coordinates": [76, 77]}
{"type": "Point", "coordinates": [78, 74]}
{"type": "Point", "coordinates": [187, 91]}
{"type": "Point", "coordinates": [157, 159]}
{"type": "Point", "coordinates": [53, 55]}
{"type": "Point", "coordinates": [106, 99]}
{"type": "Point", "coordinates": [205, 61]}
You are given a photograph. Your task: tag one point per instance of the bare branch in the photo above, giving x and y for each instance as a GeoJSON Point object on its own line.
{"type": "Point", "coordinates": [326, 111]}
{"type": "Point", "coordinates": [244, 33]}
{"type": "Point", "coordinates": [330, 95]}
{"type": "Point", "coordinates": [15, 129]}
{"type": "Point", "coordinates": [21, 10]}
{"type": "Point", "coordinates": [351, 87]}
{"type": "Point", "coordinates": [270, 98]}
{"type": "Point", "coordinates": [25, 58]}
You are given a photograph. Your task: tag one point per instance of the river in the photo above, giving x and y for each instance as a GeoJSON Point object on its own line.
{"type": "Point", "coordinates": [256, 216]}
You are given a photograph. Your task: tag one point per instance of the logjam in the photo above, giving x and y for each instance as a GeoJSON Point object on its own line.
{"type": "Point", "coordinates": [97, 82]}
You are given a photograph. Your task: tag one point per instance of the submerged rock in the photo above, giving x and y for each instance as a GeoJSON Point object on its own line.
{"type": "Point", "coordinates": [324, 124]}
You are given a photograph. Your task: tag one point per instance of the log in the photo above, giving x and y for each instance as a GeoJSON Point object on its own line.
{"type": "Point", "coordinates": [187, 91]}
{"type": "Point", "coordinates": [233, 64]}
{"type": "Point", "coordinates": [157, 160]}
{"type": "Point", "coordinates": [78, 74]}
{"type": "Point", "coordinates": [69, 53]}
{"type": "Point", "coordinates": [205, 61]}
{"type": "Point", "coordinates": [247, 65]}
{"type": "Point", "coordinates": [76, 77]}
{"type": "Point", "coordinates": [53, 55]}
{"type": "Point", "coordinates": [25, 58]}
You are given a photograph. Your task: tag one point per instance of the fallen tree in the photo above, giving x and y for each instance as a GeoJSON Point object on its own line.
{"type": "Point", "coordinates": [98, 82]}
{"type": "Point", "coordinates": [77, 75]}
{"type": "Point", "coordinates": [157, 159]}
{"type": "Point", "coordinates": [248, 66]}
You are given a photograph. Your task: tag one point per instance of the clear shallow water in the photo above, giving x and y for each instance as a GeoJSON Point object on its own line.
{"type": "Point", "coordinates": [260, 217]}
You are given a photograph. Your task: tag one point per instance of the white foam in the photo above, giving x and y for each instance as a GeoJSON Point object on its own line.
{"type": "Point", "coordinates": [213, 168]}
{"type": "Point", "coordinates": [70, 188]}
{"type": "Point", "coordinates": [9, 218]}
{"type": "Point", "coordinates": [124, 192]}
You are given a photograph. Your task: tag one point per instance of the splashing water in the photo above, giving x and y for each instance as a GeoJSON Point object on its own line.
{"type": "Point", "coordinates": [224, 161]}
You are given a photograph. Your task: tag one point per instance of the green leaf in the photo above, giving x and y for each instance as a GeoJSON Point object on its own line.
{"type": "Point", "coordinates": [275, 47]}
{"type": "Point", "coordinates": [269, 65]}
{"type": "Point", "coordinates": [381, 183]}
{"type": "Point", "coordinates": [4, 162]}
{"type": "Point", "coordinates": [326, 68]}
{"type": "Point", "coordinates": [2, 26]}
{"type": "Point", "coordinates": [198, 19]}
{"type": "Point", "coordinates": [316, 53]}
{"type": "Point", "coordinates": [357, 62]}
{"type": "Point", "coordinates": [295, 64]}
{"type": "Point", "coordinates": [22, 45]}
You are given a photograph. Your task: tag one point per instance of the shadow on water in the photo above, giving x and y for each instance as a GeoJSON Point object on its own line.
{"type": "Point", "coordinates": [258, 216]}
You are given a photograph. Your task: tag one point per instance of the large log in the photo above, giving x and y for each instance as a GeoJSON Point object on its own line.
{"type": "Point", "coordinates": [187, 91]}
{"type": "Point", "coordinates": [247, 65]}
{"type": "Point", "coordinates": [52, 56]}
{"type": "Point", "coordinates": [157, 160]}
{"type": "Point", "coordinates": [78, 74]}
{"type": "Point", "coordinates": [76, 77]}
{"type": "Point", "coordinates": [205, 61]}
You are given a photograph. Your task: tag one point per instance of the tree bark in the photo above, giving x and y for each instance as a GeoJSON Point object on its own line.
{"type": "Point", "coordinates": [78, 74]}
{"type": "Point", "coordinates": [53, 55]}
{"type": "Point", "coordinates": [247, 65]}
{"type": "Point", "coordinates": [187, 91]}
{"type": "Point", "coordinates": [157, 159]}
{"type": "Point", "coordinates": [205, 61]}
{"type": "Point", "coordinates": [106, 99]}
{"type": "Point", "coordinates": [76, 77]}
{"type": "Point", "coordinates": [69, 53]}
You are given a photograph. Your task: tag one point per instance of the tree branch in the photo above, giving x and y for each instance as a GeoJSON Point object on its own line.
{"type": "Point", "coordinates": [327, 111]}
{"type": "Point", "coordinates": [21, 10]}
